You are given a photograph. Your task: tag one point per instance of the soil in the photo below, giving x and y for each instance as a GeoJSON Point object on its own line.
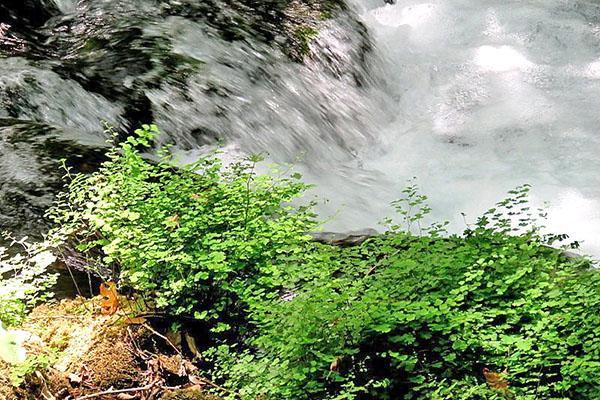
{"type": "Point", "coordinates": [88, 353]}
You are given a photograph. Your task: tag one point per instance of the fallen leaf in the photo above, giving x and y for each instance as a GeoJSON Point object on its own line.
{"type": "Point", "coordinates": [110, 302]}
{"type": "Point", "coordinates": [125, 396]}
{"type": "Point", "coordinates": [191, 343]}
{"type": "Point", "coordinates": [496, 380]}
{"type": "Point", "coordinates": [190, 368]}
{"type": "Point", "coordinates": [74, 378]}
{"type": "Point", "coordinates": [172, 222]}
{"type": "Point", "coordinates": [335, 364]}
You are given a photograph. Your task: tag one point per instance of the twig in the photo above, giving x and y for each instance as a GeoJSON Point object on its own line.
{"type": "Point", "coordinates": [139, 353]}
{"type": "Point", "coordinates": [73, 279]}
{"type": "Point", "coordinates": [211, 383]}
{"type": "Point", "coordinates": [44, 317]}
{"type": "Point", "coordinates": [89, 276]}
{"type": "Point", "coordinates": [162, 336]}
{"type": "Point", "coordinates": [107, 392]}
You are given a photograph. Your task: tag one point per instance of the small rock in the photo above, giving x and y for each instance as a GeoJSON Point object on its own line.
{"type": "Point", "coordinates": [344, 239]}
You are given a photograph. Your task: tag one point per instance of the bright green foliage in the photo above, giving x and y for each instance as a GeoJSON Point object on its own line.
{"type": "Point", "coordinates": [20, 372]}
{"type": "Point", "coordinates": [402, 316]}
{"type": "Point", "coordinates": [195, 238]}
{"type": "Point", "coordinates": [419, 317]}
{"type": "Point", "coordinates": [24, 278]}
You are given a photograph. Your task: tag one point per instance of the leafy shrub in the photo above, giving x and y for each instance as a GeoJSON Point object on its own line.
{"type": "Point", "coordinates": [419, 317]}
{"type": "Point", "coordinates": [19, 373]}
{"type": "Point", "coordinates": [196, 238]}
{"type": "Point", "coordinates": [400, 316]}
{"type": "Point", "coordinates": [24, 278]}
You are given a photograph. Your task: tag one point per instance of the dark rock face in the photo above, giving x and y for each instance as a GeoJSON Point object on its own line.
{"type": "Point", "coordinates": [207, 71]}
{"type": "Point", "coordinates": [20, 21]}
{"type": "Point", "coordinates": [31, 173]}
{"type": "Point", "coordinates": [27, 14]}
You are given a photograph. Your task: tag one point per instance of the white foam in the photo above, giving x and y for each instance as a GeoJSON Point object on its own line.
{"type": "Point", "coordinates": [412, 15]}
{"type": "Point", "coordinates": [490, 95]}
{"type": "Point", "coordinates": [480, 97]}
{"type": "Point", "coordinates": [500, 59]}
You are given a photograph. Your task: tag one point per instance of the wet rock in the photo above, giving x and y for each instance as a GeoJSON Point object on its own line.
{"type": "Point", "coordinates": [327, 35]}
{"type": "Point", "coordinates": [341, 48]}
{"type": "Point", "coordinates": [30, 172]}
{"type": "Point", "coordinates": [279, 75]}
{"type": "Point", "coordinates": [345, 239]}
{"type": "Point", "coordinates": [26, 14]}
{"type": "Point", "coordinates": [19, 20]}
{"type": "Point", "coordinates": [119, 49]}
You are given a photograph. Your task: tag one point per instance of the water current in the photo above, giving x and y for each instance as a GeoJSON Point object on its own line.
{"type": "Point", "coordinates": [471, 97]}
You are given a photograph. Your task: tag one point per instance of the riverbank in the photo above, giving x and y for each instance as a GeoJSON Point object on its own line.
{"type": "Point", "coordinates": [216, 260]}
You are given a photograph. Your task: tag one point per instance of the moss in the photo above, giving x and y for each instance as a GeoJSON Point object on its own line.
{"type": "Point", "coordinates": [329, 7]}
{"type": "Point", "coordinates": [111, 361]}
{"type": "Point", "coordinates": [83, 342]}
{"type": "Point", "coordinates": [304, 35]}
{"type": "Point", "coordinates": [303, 21]}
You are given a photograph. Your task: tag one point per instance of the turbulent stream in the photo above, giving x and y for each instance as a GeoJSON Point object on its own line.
{"type": "Point", "coordinates": [472, 97]}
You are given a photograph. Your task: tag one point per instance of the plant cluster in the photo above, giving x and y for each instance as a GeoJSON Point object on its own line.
{"type": "Point", "coordinates": [420, 317]}
{"type": "Point", "coordinates": [24, 278]}
{"type": "Point", "coordinates": [403, 315]}
{"type": "Point", "coordinates": [197, 238]}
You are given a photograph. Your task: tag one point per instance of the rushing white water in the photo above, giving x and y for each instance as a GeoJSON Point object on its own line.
{"type": "Point", "coordinates": [489, 95]}
{"type": "Point", "coordinates": [482, 96]}
{"type": "Point", "coordinates": [472, 97]}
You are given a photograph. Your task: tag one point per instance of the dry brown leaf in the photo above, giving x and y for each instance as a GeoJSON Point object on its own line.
{"type": "Point", "coordinates": [125, 396]}
{"type": "Point", "coordinates": [173, 222]}
{"type": "Point", "coordinates": [191, 343]}
{"type": "Point", "coordinates": [335, 364]}
{"type": "Point", "coordinates": [74, 378]}
{"type": "Point", "coordinates": [496, 380]}
{"type": "Point", "coordinates": [174, 337]}
{"type": "Point", "coordinates": [110, 301]}
{"type": "Point", "coordinates": [190, 368]}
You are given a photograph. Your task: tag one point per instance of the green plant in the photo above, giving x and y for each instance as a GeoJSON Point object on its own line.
{"type": "Point", "coordinates": [304, 35]}
{"type": "Point", "coordinates": [195, 239]}
{"type": "Point", "coordinates": [25, 278]}
{"type": "Point", "coordinates": [33, 363]}
{"type": "Point", "coordinates": [419, 317]}
{"type": "Point", "coordinates": [413, 313]}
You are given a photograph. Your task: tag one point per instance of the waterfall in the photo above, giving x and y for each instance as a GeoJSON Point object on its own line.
{"type": "Point", "coordinates": [489, 95]}
{"type": "Point", "coordinates": [471, 97]}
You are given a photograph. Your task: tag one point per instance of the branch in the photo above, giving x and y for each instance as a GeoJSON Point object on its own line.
{"type": "Point", "coordinates": [163, 337]}
{"type": "Point", "coordinates": [107, 392]}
